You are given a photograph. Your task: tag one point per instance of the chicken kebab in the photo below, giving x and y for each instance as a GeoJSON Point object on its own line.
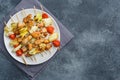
{"type": "Point", "coordinates": [34, 35]}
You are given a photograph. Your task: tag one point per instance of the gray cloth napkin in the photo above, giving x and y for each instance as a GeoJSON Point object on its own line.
{"type": "Point", "coordinates": [32, 71]}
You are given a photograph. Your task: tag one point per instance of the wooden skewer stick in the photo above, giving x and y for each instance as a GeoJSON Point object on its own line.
{"type": "Point", "coordinates": [23, 10]}
{"type": "Point", "coordinates": [35, 10]}
{"type": "Point", "coordinates": [5, 23]}
{"type": "Point", "coordinates": [23, 13]}
{"type": "Point", "coordinates": [12, 18]}
{"type": "Point", "coordinates": [41, 54]}
{"type": "Point", "coordinates": [17, 18]}
{"type": "Point", "coordinates": [45, 52]}
{"type": "Point", "coordinates": [41, 8]}
{"type": "Point", "coordinates": [49, 51]}
{"type": "Point", "coordinates": [31, 58]}
{"type": "Point", "coordinates": [24, 60]}
{"type": "Point", "coordinates": [34, 58]}
{"type": "Point", "coordinates": [58, 48]}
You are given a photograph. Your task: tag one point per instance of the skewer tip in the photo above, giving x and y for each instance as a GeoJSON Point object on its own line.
{"type": "Point", "coordinates": [22, 8]}
{"type": "Point", "coordinates": [42, 55]}
{"type": "Point", "coordinates": [34, 7]}
{"type": "Point", "coordinates": [58, 48]}
{"type": "Point", "coordinates": [5, 23]}
{"type": "Point", "coordinates": [10, 16]}
{"type": "Point", "coordinates": [34, 58]}
{"type": "Point", "coordinates": [31, 58]}
{"type": "Point", "coordinates": [24, 60]}
{"type": "Point", "coordinates": [49, 51]}
{"type": "Point", "coordinates": [41, 7]}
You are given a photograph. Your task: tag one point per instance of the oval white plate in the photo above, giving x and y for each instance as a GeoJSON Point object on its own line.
{"type": "Point", "coordinates": [40, 59]}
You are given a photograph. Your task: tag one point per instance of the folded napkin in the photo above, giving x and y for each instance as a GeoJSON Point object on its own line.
{"type": "Point", "coordinates": [32, 71]}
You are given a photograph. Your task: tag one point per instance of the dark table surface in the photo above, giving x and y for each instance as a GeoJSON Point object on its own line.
{"type": "Point", "coordinates": [93, 54]}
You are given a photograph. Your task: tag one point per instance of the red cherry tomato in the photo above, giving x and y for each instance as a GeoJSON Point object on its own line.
{"type": "Point", "coordinates": [50, 29]}
{"type": "Point", "coordinates": [15, 45]}
{"type": "Point", "coordinates": [19, 52]}
{"type": "Point", "coordinates": [44, 15]}
{"type": "Point", "coordinates": [12, 36]}
{"type": "Point", "coordinates": [56, 43]}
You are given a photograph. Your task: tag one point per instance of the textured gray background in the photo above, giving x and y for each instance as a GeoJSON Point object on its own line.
{"type": "Point", "coordinates": [93, 54]}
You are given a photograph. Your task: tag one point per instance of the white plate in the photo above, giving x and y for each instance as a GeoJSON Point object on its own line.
{"type": "Point", "coordinates": [39, 57]}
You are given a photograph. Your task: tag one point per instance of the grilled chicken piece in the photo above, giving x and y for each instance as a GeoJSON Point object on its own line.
{"type": "Point", "coordinates": [16, 31]}
{"type": "Point", "coordinates": [45, 34]}
{"type": "Point", "coordinates": [26, 39]}
{"type": "Point", "coordinates": [42, 46]}
{"type": "Point", "coordinates": [30, 23]}
{"type": "Point", "coordinates": [38, 41]}
{"type": "Point", "coordinates": [46, 41]}
{"type": "Point", "coordinates": [21, 25]}
{"type": "Point", "coordinates": [41, 24]}
{"type": "Point", "coordinates": [44, 30]}
{"type": "Point", "coordinates": [48, 46]}
{"type": "Point", "coordinates": [24, 49]}
{"type": "Point", "coordinates": [35, 46]}
{"type": "Point", "coordinates": [19, 40]}
{"type": "Point", "coordinates": [36, 34]}
{"type": "Point", "coordinates": [26, 19]}
{"type": "Point", "coordinates": [29, 46]}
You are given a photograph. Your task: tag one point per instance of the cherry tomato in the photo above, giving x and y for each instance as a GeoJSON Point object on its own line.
{"type": "Point", "coordinates": [56, 43]}
{"type": "Point", "coordinates": [15, 45]}
{"type": "Point", "coordinates": [50, 29]}
{"type": "Point", "coordinates": [19, 52]}
{"type": "Point", "coordinates": [44, 15]}
{"type": "Point", "coordinates": [12, 36]}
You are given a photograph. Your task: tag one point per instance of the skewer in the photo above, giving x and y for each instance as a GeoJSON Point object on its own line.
{"type": "Point", "coordinates": [49, 51]}
{"type": "Point", "coordinates": [17, 18]}
{"type": "Point", "coordinates": [36, 13]}
{"type": "Point", "coordinates": [33, 55]}
{"type": "Point", "coordinates": [41, 54]}
{"type": "Point", "coordinates": [23, 11]}
{"type": "Point", "coordinates": [22, 55]}
{"type": "Point", "coordinates": [58, 48]}
{"type": "Point", "coordinates": [12, 18]}
{"type": "Point", "coordinates": [31, 58]}
{"type": "Point", "coordinates": [45, 52]}
{"type": "Point", "coordinates": [35, 10]}
{"type": "Point", "coordinates": [5, 23]}
{"type": "Point", "coordinates": [24, 59]}
{"type": "Point", "coordinates": [24, 14]}
{"type": "Point", "coordinates": [34, 58]}
{"type": "Point", "coordinates": [42, 12]}
{"type": "Point", "coordinates": [41, 8]}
